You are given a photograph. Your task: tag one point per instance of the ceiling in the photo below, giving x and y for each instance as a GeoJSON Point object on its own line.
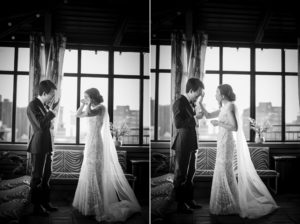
{"type": "Point", "coordinates": [125, 23]}
{"type": "Point", "coordinates": [247, 21]}
{"type": "Point", "coordinates": [112, 23]}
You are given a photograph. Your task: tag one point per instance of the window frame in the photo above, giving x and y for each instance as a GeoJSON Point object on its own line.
{"type": "Point", "coordinates": [221, 72]}
{"type": "Point", "coordinates": [110, 76]}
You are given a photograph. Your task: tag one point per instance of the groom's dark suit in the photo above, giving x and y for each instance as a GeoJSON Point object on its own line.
{"type": "Point", "coordinates": [185, 144]}
{"type": "Point", "coordinates": [40, 147]}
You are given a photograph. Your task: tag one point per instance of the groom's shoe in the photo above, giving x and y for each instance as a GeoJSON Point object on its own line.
{"type": "Point", "coordinates": [193, 205]}
{"type": "Point", "coordinates": [184, 208]}
{"type": "Point", "coordinates": [49, 207]}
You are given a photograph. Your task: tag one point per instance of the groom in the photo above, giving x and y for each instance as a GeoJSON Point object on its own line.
{"type": "Point", "coordinates": [40, 112]}
{"type": "Point", "coordinates": [185, 145]}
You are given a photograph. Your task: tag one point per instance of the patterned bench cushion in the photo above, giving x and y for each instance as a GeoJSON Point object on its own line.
{"type": "Point", "coordinates": [206, 157]}
{"type": "Point", "coordinates": [204, 173]}
{"type": "Point", "coordinates": [261, 173]}
{"type": "Point", "coordinates": [267, 173]}
{"type": "Point", "coordinates": [67, 163]}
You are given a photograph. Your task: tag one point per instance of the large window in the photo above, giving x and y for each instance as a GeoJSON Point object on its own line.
{"type": "Point", "coordinates": [266, 89]}
{"type": "Point", "coordinates": [160, 92]}
{"type": "Point", "coordinates": [120, 83]}
{"type": "Point", "coordinates": [292, 112]}
{"type": "Point", "coordinates": [14, 94]}
{"type": "Point", "coordinates": [124, 85]}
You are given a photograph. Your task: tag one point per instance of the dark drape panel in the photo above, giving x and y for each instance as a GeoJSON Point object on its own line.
{"type": "Point", "coordinates": [299, 70]}
{"type": "Point", "coordinates": [36, 63]}
{"type": "Point", "coordinates": [55, 59]}
{"type": "Point", "coordinates": [197, 55]}
{"type": "Point", "coordinates": [178, 76]}
{"type": "Point", "coordinates": [40, 69]}
{"type": "Point", "coordinates": [54, 71]}
{"type": "Point", "coordinates": [184, 66]}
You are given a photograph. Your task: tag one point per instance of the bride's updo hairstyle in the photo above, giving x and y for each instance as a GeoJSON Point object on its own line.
{"type": "Point", "coordinates": [227, 92]}
{"type": "Point", "coordinates": [95, 96]}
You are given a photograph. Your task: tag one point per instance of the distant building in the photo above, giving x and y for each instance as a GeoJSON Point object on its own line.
{"type": "Point", "coordinates": [164, 112]}
{"type": "Point", "coordinates": [0, 107]}
{"type": "Point", "coordinates": [22, 124]}
{"type": "Point", "coordinates": [265, 111]}
{"type": "Point", "coordinates": [131, 117]}
{"type": "Point", "coordinates": [6, 113]}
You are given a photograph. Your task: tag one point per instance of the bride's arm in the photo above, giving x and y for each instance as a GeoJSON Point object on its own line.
{"type": "Point", "coordinates": [80, 112]}
{"type": "Point", "coordinates": [88, 112]}
{"type": "Point", "coordinates": [209, 115]}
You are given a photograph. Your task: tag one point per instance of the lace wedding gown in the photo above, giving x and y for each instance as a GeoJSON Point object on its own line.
{"type": "Point", "coordinates": [245, 195]}
{"type": "Point", "coordinates": [103, 189]}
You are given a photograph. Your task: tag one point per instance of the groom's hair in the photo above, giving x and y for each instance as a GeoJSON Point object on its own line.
{"type": "Point", "coordinates": [193, 84]}
{"type": "Point", "coordinates": [46, 86]}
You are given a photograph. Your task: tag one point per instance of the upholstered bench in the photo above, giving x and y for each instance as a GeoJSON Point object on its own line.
{"type": "Point", "coordinates": [206, 157]}
{"type": "Point", "coordinates": [66, 166]}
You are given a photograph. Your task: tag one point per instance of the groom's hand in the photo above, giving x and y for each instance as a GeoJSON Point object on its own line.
{"type": "Point", "coordinates": [201, 97]}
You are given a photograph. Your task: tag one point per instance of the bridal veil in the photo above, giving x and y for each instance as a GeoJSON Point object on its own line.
{"type": "Point", "coordinates": [254, 198]}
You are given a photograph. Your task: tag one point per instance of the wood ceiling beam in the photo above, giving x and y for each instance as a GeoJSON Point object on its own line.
{"type": "Point", "coordinates": [262, 26]}
{"type": "Point", "coordinates": [166, 18]}
{"type": "Point", "coordinates": [120, 30]}
{"type": "Point", "coordinates": [18, 25]}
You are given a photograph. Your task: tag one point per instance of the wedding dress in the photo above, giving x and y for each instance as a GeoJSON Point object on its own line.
{"type": "Point", "coordinates": [238, 191]}
{"type": "Point", "coordinates": [103, 189]}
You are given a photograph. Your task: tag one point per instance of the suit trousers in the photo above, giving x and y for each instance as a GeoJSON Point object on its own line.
{"type": "Point", "coordinates": [183, 175]}
{"type": "Point", "coordinates": [40, 176]}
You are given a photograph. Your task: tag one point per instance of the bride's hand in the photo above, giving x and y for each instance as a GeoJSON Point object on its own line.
{"type": "Point", "coordinates": [83, 101]}
{"type": "Point", "coordinates": [201, 97]}
{"type": "Point", "coordinates": [214, 122]}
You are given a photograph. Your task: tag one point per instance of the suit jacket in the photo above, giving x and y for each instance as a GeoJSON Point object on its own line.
{"type": "Point", "coordinates": [40, 121]}
{"type": "Point", "coordinates": [183, 115]}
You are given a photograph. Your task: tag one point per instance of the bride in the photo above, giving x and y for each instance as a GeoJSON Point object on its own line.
{"type": "Point", "coordinates": [102, 188]}
{"type": "Point", "coordinates": [245, 195]}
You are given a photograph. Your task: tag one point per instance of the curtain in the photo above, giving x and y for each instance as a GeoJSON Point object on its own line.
{"type": "Point", "coordinates": [40, 69]}
{"type": "Point", "coordinates": [184, 66]}
{"type": "Point", "coordinates": [178, 77]}
{"type": "Point", "coordinates": [298, 46]}
{"type": "Point", "coordinates": [54, 72]}
{"type": "Point", "coordinates": [37, 63]}
{"type": "Point", "coordinates": [197, 55]}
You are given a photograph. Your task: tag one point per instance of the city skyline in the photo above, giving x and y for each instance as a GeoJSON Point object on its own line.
{"type": "Point", "coordinates": [207, 132]}
{"type": "Point", "coordinates": [66, 128]}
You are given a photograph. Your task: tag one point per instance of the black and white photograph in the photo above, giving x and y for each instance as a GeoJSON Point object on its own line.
{"type": "Point", "coordinates": [74, 112]}
{"type": "Point", "coordinates": [225, 118]}
{"type": "Point", "coordinates": [149, 111]}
